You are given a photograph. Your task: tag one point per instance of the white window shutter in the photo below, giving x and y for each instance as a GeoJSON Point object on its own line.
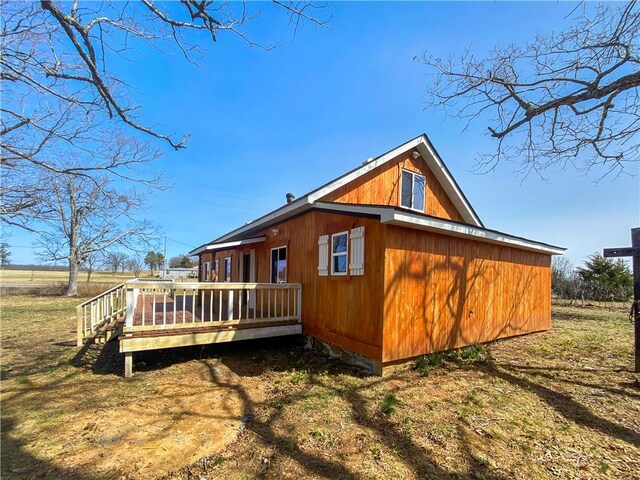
{"type": "Point", "coordinates": [323, 255]}
{"type": "Point", "coordinates": [356, 262]}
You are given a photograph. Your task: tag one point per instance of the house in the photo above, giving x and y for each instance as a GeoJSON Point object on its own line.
{"type": "Point", "coordinates": [392, 262]}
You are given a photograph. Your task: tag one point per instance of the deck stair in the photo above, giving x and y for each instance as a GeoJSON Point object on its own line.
{"type": "Point", "coordinates": [98, 318]}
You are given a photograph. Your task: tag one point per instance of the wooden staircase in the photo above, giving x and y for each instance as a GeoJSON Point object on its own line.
{"type": "Point", "coordinates": [102, 318]}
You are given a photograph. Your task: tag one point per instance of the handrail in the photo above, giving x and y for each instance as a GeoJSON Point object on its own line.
{"type": "Point", "coordinates": [100, 310]}
{"type": "Point", "coordinates": [212, 285]}
{"type": "Point", "coordinates": [103, 294]}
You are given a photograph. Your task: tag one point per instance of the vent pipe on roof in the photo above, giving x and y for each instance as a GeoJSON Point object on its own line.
{"type": "Point", "coordinates": [290, 197]}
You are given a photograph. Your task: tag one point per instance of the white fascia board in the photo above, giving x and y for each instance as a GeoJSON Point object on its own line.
{"type": "Point", "coordinates": [221, 246]}
{"type": "Point", "coordinates": [433, 161]}
{"type": "Point", "coordinates": [287, 210]}
{"type": "Point", "coordinates": [318, 194]}
{"type": "Point", "coordinates": [428, 155]}
{"type": "Point", "coordinates": [448, 183]}
{"type": "Point", "coordinates": [468, 231]}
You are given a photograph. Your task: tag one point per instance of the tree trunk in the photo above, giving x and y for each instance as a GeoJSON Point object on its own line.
{"type": "Point", "coordinates": [72, 288]}
{"type": "Point", "coordinates": [88, 276]}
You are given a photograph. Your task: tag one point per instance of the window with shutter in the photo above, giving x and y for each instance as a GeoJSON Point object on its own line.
{"type": "Point", "coordinates": [323, 255]}
{"type": "Point", "coordinates": [339, 253]}
{"type": "Point", "coordinates": [356, 261]}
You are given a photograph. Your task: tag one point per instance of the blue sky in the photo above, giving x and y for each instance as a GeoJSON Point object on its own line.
{"type": "Point", "coordinates": [264, 123]}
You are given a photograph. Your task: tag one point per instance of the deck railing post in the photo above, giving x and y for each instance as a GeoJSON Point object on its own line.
{"type": "Point", "coordinates": [80, 329]}
{"type": "Point", "coordinates": [230, 305]}
{"type": "Point", "coordinates": [299, 306]}
{"type": "Point", "coordinates": [132, 298]}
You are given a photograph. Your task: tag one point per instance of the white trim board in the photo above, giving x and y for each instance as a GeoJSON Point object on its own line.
{"type": "Point", "coordinates": [468, 231]}
{"type": "Point", "coordinates": [221, 246]}
{"type": "Point", "coordinates": [392, 216]}
{"type": "Point", "coordinates": [435, 164]}
{"type": "Point", "coordinates": [420, 143]}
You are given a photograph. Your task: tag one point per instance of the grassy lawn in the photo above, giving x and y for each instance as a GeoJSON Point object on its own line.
{"type": "Point", "coordinates": [561, 404]}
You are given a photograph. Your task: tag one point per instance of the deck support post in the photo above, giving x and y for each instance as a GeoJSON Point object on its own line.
{"type": "Point", "coordinates": [128, 364]}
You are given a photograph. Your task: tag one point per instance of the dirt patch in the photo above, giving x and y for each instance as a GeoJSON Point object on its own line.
{"type": "Point", "coordinates": [72, 415]}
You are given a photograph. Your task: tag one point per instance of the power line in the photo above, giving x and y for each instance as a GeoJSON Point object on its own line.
{"type": "Point", "coordinates": [181, 243]}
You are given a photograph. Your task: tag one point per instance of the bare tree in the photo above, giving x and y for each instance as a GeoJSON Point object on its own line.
{"type": "Point", "coordinates": [60, 92]}
{"type": "Point", "coordinates": [567, 99]}
{"type": "Point", "coordinates": [88, 217]}
{"type": "Point", "coordinates": [115, 260]}
{"type": "Point", "coordinates": [135, 264]}
{"type": "Point", "coordinates": [62, 50]}
{"type": "Point", "coordinates": [91, 263]}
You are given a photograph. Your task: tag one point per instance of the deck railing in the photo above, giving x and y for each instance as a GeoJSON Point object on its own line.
{"type": "Point", "coordinates": [100, 310]}
{"type": "Point", "coordinates": [168, 305]}
{"type": "Point", "coordinates": [158, 305]}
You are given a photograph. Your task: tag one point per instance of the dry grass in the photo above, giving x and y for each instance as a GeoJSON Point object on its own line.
{"type": "Point", "coordinates": [563, 404]}
{"type": "Point", "coordinates": [44, 276]}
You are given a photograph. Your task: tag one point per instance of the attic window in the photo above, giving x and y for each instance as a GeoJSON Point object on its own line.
{"type": "Point", "coordinates": [412, 190]}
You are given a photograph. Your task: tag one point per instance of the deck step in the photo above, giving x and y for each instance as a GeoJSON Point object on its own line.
{"type": "Point", "coordinates": [107, 332]}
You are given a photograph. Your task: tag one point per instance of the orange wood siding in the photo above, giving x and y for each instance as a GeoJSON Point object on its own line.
{"type": "Point", "coordinates": [381, 186]}
{"type": "Point", "coordinates": [445, 292]}
{"type": "Point", "coordinates": [235, 264]}
{"type": "Point", "coordinates": [343, 310]}
{"type": "Point", "coordinates": [207, 257]}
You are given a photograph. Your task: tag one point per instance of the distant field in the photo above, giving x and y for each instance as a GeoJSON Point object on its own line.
{"type": "Point", "coordinates": [43, 276]}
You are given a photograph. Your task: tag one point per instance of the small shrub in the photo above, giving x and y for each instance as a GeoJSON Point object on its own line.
{"type": "Point", "coordinates": [422, 365]}
{"type": "Point", "coordinates": [388, 404]}
{"type": "Point", "coordinates": [425, 363]}
{"type": "Point", "coordinates": [474, 353]}
{"type": "Point", "coordinates": [296, 377]}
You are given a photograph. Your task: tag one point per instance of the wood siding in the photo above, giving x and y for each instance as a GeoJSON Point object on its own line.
{"type": "Point", "coordinates": [343, 310]}
{"type": "Point", "coordinates": [445, 292]}
{"type": "Point", "coordinates": [381, 186]}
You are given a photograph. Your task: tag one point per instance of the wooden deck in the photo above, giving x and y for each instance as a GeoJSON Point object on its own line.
{"type": "Point", "coordinates": [150, 315]}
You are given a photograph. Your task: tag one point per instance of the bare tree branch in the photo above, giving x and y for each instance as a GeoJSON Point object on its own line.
{"type": "Point", "coordinates": [568, 99]}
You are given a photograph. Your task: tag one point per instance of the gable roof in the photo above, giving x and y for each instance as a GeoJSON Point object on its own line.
{"type": "Point", "coordinates": [421, 143]}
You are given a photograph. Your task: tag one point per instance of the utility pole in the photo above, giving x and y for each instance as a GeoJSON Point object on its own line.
{"type": "Point", "coordinates": [164, 266]}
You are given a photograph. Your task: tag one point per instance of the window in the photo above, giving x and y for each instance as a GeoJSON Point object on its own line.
{"type": "Point", "coordinates": [279, 265]}
{"type": "Point", "coordinates": [339, 252]}
{"type": "Point", "coordinates": [227, 269]}
{"type": "Point", "coordinates": [206, 271]}
{"type": "Point", "coordinates": [412, 190]}
{"type": "Point", "coordinates": [216, 265]}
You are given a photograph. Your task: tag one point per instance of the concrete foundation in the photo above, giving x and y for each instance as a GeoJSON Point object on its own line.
{"type": "Point", "coordinates": [346, 356]}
